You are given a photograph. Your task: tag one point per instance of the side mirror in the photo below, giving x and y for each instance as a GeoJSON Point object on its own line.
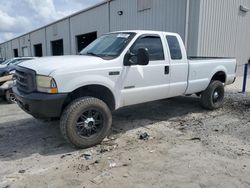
{"type": "Point", "coordinates": [127, 59]}
{"type": "Point", "coordinates": [140, 58]}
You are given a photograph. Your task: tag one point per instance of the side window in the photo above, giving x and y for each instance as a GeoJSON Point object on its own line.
{"type": "Point", "coordinates": [153, 44]}
{"type": "Point", "coordinates": [174, 47]}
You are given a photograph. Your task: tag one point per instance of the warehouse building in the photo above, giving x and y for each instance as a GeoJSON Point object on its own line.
{"type": "Point", "coordinates": [208, 27]}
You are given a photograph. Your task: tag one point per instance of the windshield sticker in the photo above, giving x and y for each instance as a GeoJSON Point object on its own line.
{"type": "Point", "coordinates": [123, 36]}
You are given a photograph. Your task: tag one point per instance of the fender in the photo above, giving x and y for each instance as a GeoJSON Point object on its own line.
{"type": "Point", "coordinates": [86, 80]}
{"type": "Point", "coordinates": [219, 69]}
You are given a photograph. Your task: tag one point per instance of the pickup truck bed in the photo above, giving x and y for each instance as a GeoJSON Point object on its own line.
{"type": "Point", "coordinates": [201, 71]}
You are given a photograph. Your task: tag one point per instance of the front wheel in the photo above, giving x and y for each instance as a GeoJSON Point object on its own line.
{"type": "Point", "coordinates": [86, 122]}
{"type": "Point", "coordinates": [10, 96]}
{"type": "Point", "coordinates": [213, 97]}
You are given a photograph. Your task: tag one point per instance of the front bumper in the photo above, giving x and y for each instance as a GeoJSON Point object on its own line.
{"type": "Point", "coordinates": [40, 105]}
{"type": "Point", "coordinates": [2, 92]}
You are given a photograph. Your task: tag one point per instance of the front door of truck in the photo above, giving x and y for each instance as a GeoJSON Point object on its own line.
{"type": "Point", "coordinates": [150, 82]}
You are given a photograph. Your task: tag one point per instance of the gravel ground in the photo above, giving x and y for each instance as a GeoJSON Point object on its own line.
{"type": "Point", "coordinates": [181, 145]}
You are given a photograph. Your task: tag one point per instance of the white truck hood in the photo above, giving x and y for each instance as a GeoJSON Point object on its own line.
{"type": "Point", "coordinates": [3, 66]}
{"type": "Point", "coordinates": [47, 65]}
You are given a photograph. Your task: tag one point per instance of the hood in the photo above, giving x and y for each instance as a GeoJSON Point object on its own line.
{"type": "Point", "coordinates": [3, 66]}
{"type": "Point", "coordinates": [47, 65]}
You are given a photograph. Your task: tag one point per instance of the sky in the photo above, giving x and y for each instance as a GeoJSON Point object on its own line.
{"type": "Point", "coordinates": [21, 16]}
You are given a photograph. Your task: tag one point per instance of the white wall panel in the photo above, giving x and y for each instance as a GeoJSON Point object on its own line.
{"type": "Point", "coordinates": [38, 37]}
{"type": "Point", "coordinates": [56, 31]}
{"type": "Point", "coordinates": [15, 45]}
{"type": "Point", "coordinates": [224, 30]}
{"type": "Point", "coordinates": [24, 42]}
{"type": "Point", "coordinates": [96, 19]}
{"type": "Point", "coordinates": [165, 15]}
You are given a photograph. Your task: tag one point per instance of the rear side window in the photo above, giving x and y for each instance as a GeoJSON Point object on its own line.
{"type": "Point", "coordinates": [174, 47]}
{"type": "Point", "coordinates": [153, 44]}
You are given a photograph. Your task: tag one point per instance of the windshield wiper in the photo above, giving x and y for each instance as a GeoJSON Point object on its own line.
{"type": "Point", "coordinates": [93, 54]}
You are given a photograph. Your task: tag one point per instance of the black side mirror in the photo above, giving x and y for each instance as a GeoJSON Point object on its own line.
{"type": "Point", "coordinates": [140, 58]}
{"type": "Point", "coordinates": [127, 59]}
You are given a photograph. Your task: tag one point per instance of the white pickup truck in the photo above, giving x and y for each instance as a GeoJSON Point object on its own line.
{"type": "Point", "coordinates": [116, 70]}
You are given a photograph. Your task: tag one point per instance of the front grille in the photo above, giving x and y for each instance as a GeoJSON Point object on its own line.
{"type": "Point", "coordinates": [25, 79]}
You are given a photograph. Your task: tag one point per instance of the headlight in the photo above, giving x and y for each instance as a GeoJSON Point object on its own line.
{"type": "Point", "coordinates": [12, 72]}
{"type": "Point", "coordinates": [46, 84]}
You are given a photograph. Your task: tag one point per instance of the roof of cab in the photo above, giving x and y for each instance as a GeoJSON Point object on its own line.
{"type": "Point", "coordinates": [145, 32]}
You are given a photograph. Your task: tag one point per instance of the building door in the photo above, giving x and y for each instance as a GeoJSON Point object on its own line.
{"type": "Point", "coordinates": [57, 47]}
{"type": "Point", "coordinates": [25, 51]}
{"type": "Point", "coordinates": [15, 51]}
{"type": "Point", "coordinates": [84, 40]}
{"type": "Point", "coordinates": [38, 50]}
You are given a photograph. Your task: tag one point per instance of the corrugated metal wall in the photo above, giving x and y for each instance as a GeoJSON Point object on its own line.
{"type": "Point", "coordinates": [215, 27]}
{"type": "Point", "coordinates": [24, 42]}
{"type": "Point", "coordinates": [96, 19]}
{"type": "Point", "coordinates": [243, 35]}
{"type": "Point", "coordinates": [7, 49]}
{"type": "Point", "coordinates": [15, 45]}
{"type": "Point", "coordinates": [193, 25]}
{"type": "Point", "coordinates": [57, 31]}
{"type": "Point", "coordinates": [164, 15]}
{"type": "Point", "coordinates": [224, 30]}
{"type": "Point", "coordinates": [38, 37]}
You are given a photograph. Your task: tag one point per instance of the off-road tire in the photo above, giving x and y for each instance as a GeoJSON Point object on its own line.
{"type": "Point", "coordinates": [207, 96]}
{"type": "Point", "coordinates": [73, 111]}
{"type": "Point", "coordinates": [9, 96]}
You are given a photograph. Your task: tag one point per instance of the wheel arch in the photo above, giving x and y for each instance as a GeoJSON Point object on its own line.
{"type": "Point", "coordinates": [219, 76]}
{"type": "Point", "coordinates": [93, 90]}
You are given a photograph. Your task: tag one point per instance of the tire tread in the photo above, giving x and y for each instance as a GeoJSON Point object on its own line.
{"type": "Point", "coordinates": [71, 108]}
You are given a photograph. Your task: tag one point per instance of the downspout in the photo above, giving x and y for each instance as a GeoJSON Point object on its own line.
{"type": "Point", "coordinates": [12, 52]}
{"type": "Point", "coordinates": [30, 44]}
{"type": "Point", "coordinates": [70, 41]}
{"type": "Point", "coordinates": [109, 18]}
{"type": "Point", "coordinates": [46, 45]}
{"type": "Point", "coordinates": [187, 23]}
{"type": "Point", "coordinates": [186, 41]}
{"type": "Point", "coordinates": [19, 45]}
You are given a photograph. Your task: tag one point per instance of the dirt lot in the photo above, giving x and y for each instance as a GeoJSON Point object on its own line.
{"type": "Point", "coordinates": [187, 147]}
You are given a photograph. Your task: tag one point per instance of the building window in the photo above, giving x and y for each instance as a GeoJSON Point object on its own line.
{"type": "Point", "coordinates": [57, 47]}
{"type": "Point", "coordinates": [84, 40]}
{"type": "Point", "coordinates": [15, 51]}
{"type": "Point", "coordinates": [38, 50]}
{"type": "Point", "coordinates": [144, 5]}
{"type": "Point", "coordinates": [153, 44]}
{"type": "Point", "coordinates": [174, 47]}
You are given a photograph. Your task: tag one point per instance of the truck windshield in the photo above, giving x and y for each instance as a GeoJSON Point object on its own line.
{"type": "Point", "coordinates": [108, 46]}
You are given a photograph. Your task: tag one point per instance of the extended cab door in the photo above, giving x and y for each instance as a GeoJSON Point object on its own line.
{"type": "Point", "coordinates": [179, 65]}
{"type": "Point", "coordinates": [149, 82]}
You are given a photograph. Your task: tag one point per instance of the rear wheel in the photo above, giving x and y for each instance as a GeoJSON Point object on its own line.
{"type": "Point", "coordinates": [213, 97]}
{"type": "Point", "coordinates": [86, 122]}
{"type": "Point", "coordinates": [10, 96]}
